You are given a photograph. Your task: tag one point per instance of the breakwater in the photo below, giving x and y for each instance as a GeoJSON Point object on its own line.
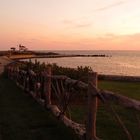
{"type": "Point", "coordinates": [55, 56]}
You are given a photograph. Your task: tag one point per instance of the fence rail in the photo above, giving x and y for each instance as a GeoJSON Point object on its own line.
{"type": "Point", "coordinates": [47, 89]}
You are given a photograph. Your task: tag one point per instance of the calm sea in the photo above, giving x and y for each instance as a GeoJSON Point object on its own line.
{"type": "Point", "coordinates": [120, 62]}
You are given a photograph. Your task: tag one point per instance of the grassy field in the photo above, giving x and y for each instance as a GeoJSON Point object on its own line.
{"type": "Point", "coordinates": [130, 89]}
{"type": "Point", "coordinates": [107, 126]}
{"type": "Point", "coordinates": [22, 118]}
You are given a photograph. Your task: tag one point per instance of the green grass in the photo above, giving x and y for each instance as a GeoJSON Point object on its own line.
{"type": "Point", "coordinates": [111, 129]}
{"type": "Point", "coordinates": [21, 118]}
{"type": "Point", "coordinates": [107, 127]}
{"type": "Point", "coordinates": [130, 89]}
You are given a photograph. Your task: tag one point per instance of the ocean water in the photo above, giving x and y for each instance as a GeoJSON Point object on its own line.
{"type": "Point", "coordinates": [119, 62]}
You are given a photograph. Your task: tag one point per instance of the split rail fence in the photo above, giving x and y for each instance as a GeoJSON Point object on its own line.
{"type": "Point", "coordinates": [48, 89]}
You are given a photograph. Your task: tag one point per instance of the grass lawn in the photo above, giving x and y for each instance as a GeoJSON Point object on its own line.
{"type": "Point", "coordinates": [21, 118]}
{"type": "Point", "coordinates": [110, 128]}
{"type": "Point", "coordinates": [130, 89]}
{"type": "Point", "coordinates": [107, 127]}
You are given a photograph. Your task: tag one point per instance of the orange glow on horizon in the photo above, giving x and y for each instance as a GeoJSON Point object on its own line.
{"type": "Point", "coordinates": [99, 25]}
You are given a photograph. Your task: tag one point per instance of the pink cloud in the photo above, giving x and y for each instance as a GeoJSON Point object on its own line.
{"type": "Point", "coordinates": [109, 6]}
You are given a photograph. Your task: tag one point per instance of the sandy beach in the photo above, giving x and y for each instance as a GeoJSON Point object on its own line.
{"type": "Point", "coordinates": [3, 62]}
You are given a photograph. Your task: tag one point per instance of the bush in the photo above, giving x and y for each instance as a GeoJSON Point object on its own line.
{"type": "Point", "coordinates": [79, 73]}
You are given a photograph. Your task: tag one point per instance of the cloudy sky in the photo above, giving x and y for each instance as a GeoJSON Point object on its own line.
{"type": "Point", "coordinates": [70, 24]}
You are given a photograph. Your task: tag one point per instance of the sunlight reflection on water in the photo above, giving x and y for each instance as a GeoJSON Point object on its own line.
{"type": "Point", "coordinates": [121, 62]}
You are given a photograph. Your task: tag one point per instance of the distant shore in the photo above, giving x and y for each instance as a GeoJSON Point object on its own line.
{"type": "Point", "coordinates": [32, 54]}
{"type": "Point", "coordinates": [7, 57]}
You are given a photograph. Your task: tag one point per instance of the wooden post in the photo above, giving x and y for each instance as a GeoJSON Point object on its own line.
{"type": "Point", "coordinates": [92, 108]}
{"type": "Point", "coordinates": [27, 81]}
{"type": "Point", "coordinates": [17, 72]}
{"type": "Point", "coordinates": [37, 90]}
{"type": "Point", "coordinates": [24, 78]}
{"type": "Point", "coordinates": [8, 71]}
{"type": "Point", "coordinates": [11, 72]}
{"type": "Point", "coordinates": [47, 88]}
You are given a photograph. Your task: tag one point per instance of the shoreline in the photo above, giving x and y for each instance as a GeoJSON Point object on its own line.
{"type": "Point", "coordinates": [4, 60]}
{"type": "Point", "coordinates": [33, 54]}
{"type": "Point", "coordinates": [109, 77]}
{"type": "Point", "coordinates": [17, 57]}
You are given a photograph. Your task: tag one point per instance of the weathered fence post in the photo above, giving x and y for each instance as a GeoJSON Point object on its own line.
{"type": "Point", "coordinates": [47, 88]}
{"type": "Point", "coordinates": [17, 73]}
{"type": "Point", "coordinates": [37, 90]}
{"type": "Point", "coordinates": [92, 108]}
{"type": "Point", "coordinates": [8, 71]}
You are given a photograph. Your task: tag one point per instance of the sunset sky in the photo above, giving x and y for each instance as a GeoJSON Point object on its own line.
{"type": "Point", "coordinates": [70, 24]}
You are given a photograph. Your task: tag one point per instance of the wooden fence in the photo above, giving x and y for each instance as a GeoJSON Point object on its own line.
{"type": "Point", "coordinates": [42, 86]}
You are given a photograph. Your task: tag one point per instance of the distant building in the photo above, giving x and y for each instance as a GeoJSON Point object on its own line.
{"type": "Point", "coordinates": [13, 49]}
{"type": "Point", "coordinates": [22, 48]}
